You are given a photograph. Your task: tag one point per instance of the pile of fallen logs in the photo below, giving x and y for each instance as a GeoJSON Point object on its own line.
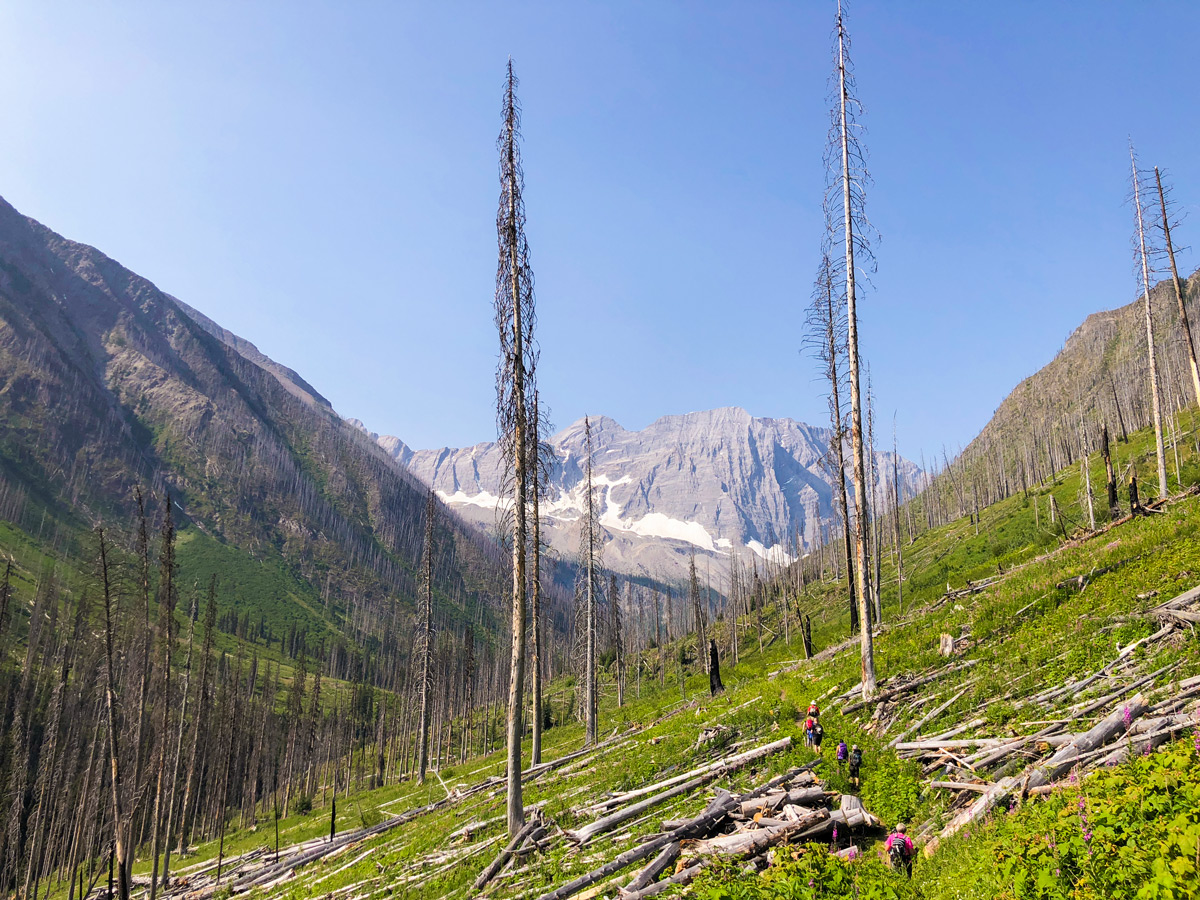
{"type": "Point", "coordinates": [747, 826]}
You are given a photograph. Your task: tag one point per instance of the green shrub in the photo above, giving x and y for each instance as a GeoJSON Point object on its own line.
{"type": "Point", "coordinates": [891, 788]}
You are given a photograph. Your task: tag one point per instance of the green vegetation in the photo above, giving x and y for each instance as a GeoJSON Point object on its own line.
{"type": "Point", "coordinates": [262, 593]}
{"type": "Point", "coordinates": [1026, 632]}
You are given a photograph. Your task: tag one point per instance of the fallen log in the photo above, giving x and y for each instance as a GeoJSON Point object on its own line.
{"type": "Point", "coordinates": [1046, 772]}
{"type": "Point", "coordinates": [806, 796]}
{"type": "Point", "coordinates": [1115, 695]}
{"type": "Point", "coordinates": [752, 843]}
{"type": "Point", "coordinates": [730, 764]}
{"type": "Point", "coordinates": [626, 796]}
{"type": "Point", "coordinates": [850, 814]}
{"type": "Point", "coordinates": [684, 877]}
{"type": "Point", "coordinates": [1183, 616]}
{"type": "Point", "coordinates": [908, 686]}
{"type": "Point", "coordinates": [960, 786]}
{"type": "Point", "coordinates": [954, 732]}
{"type": "Point", "coordinates": [958, 744]}
{"type": "Point", "coordinates": [648, 875]}
{"type": "Point", "coordinates": [697, 827]}
{"type": "Point", "coordinates": [929, 717]}
{"type": "Point", "coordinates": [494, 867]}
{"type": "Point", "coordinates": [1187, 598]}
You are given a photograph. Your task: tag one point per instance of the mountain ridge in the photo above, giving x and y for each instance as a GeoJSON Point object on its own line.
{"type": "Point", "coordinates": [110, 384]}
{"type": "Point", "coordinates": [709, 481]}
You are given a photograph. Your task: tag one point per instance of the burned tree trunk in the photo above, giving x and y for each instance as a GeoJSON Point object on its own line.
{"type": "Point", "coordinates": [1114, 510]}
{"type": "Point", "coordinates": [714, 670]}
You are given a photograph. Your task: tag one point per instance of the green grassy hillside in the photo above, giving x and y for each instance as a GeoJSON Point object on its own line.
{"type": "Point", "coordinates": [1128, 830]}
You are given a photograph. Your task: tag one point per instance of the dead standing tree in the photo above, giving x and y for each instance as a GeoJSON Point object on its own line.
{"type": "Point", "coordinates": [589, 552]}
{"type": "Point", "coordinates": [542, 463]}
{"type": "Point", "coordinates": [1165, 226]}
{"type": "Point", "coordinates": [826, 336]}
{"type": "Point", "coordinates": [424, 643]}
{"type": "Point", "coordinates": [847, 226]}
{"type": "Point", "coordinates": [699, 614]}
{"type": "Point", "coordinates": [121, 843]}
{"type": "Point", "coordinates": [515, 380]}
{"type": "Point", "coordinates": [1142, 255]}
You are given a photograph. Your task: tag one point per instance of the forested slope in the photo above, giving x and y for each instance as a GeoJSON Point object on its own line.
{"type": "Point", "coordinates": [1098, 380]}
{"type": "Point", "coordinates": [109, 384]}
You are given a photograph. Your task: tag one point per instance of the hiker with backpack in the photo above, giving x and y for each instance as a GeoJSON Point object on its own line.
{"type": "Point", "coordinates": [900, 850]}
{"type": "Point", "coordinates": [818, 735]}
{"type": "Point", "coordinates": [810, 727]}
{"type": "Point", "coordinates": [856, 756]}
{"type": "Point", "coordinates": [843, 753]}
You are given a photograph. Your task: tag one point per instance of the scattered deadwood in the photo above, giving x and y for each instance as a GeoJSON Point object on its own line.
{"type": "Point", "coordinates": [729, 764]}
{"type": "Point", "coordinates": [1041, 773]}
{"type": "Point", "coordinates": [697, 827]}
{"type": "Point", "coordinates": [505, 855]}
{"type": "Point", "coordinates": [1079, 582]}
{"type": "Point", "coordinates": [960, 786]}
{"type": "Point", "coordinates": [684, 877]}
{"type": "Point", "coordinates": [648, 875]}
{"type": "Point", "coordinates": [752, 843]}
{"type": "Point", "coordinates": [1115, 723]}
{"type": "Point", "coordinates": [915, 683]}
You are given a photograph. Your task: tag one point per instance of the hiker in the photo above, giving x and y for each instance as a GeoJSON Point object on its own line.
{"type": "Point", "coordinates": [818, 735]}
{"type": "Point", "coordinates": [842, 753]}
{"type": "Point", "coordinates": [813, 710]}
{"type": "Point", "coordinates": [855, 765]}
{"type": "Point", "coordinates": [810, 725]}
{"type": "Point", "coordinates": [900, 850]}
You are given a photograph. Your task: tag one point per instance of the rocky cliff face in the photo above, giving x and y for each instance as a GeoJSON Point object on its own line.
{"type": "Point", "coordinates": [716, 483]}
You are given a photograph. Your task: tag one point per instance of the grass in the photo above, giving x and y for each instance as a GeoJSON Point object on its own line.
{"type": "Point", "coordinates": [1024, 632]}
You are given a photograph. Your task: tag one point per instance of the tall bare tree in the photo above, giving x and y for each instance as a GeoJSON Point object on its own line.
{"type": "Point", "coordinates": [699, 614]}
{"type": "Point", "coordinates": [424, 642]}
{"type": "Point", "coordinates": [826, 336]}
{"type": "Point", "coordinates": [845, 194]}
{"type": "Point", "coordinates": [1177, 283]}
{"type": "Point", "coordinates": [121, 838]}
{"type": "Point", "coordinates": [589, 551]}
{"type": "Point", "coordinates": [1142, 254]}
{"type": "Point", "coordinates": [897, 500]}
{"type": "Point", "coordinates": [166, 621]}
{"type": "Point", "coordinates": [515, 379]}
{"type": "Point", "coordinates": [541, 461]}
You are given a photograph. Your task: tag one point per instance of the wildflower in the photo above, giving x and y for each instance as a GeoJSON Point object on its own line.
{"type": "Point", "coordinates": [1127, 715]}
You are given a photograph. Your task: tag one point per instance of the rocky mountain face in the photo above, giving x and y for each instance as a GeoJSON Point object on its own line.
{"type": "Point", "coordinates": [107, 384]}
{"type": "Point", "coordinates": [716, 483]}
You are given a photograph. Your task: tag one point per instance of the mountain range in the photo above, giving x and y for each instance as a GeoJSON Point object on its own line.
{"type": "Point", "coordinates": [714, 483]}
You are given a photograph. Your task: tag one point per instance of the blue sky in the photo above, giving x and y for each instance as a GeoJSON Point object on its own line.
{"type": "Point", "coordinates": [321, 179]}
